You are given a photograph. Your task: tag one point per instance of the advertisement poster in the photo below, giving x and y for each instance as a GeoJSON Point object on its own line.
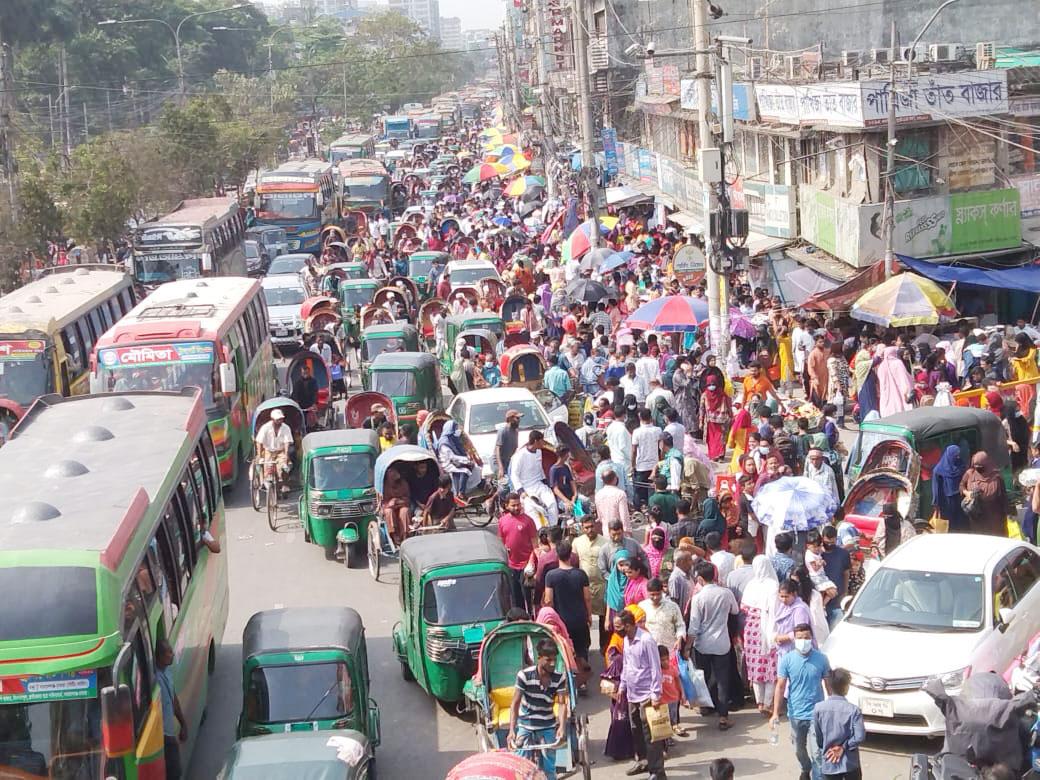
{"type": "Point", "coordinates": [610, 154]}
{"type": "Point", "coordinates": [25, 689]}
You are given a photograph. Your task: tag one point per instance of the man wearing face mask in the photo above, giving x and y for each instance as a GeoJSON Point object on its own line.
{"type": "Point", "coordinates": [802, 676]}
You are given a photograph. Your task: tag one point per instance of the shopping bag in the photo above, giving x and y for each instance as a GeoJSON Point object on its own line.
{"type": "Point", "coordinates": [658, 721]}
{"type": "Point", "coordinates": [685, 681]}
{"type": "Point", "coordinates": [1014, 531]}
{"type": "Point", "coordinates": [701, 695]}
{"type": "Point", "coordinates": [939, 524]}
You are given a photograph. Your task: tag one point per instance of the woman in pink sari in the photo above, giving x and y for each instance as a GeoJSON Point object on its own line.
{"type": "Point", "coordinates": [894, 383]}
{"type": "Point", "coordinates": [635, 588]}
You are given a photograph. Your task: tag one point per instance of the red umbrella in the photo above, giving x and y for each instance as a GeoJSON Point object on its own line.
{"type": "Point", "coordinates": [670, 314]}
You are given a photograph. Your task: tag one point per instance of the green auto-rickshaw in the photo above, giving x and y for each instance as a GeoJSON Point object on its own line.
{"type": "Point", "coordinates": [457, 323]}
{"type": "Point", "coordinates": [377, 339]}
{"type": "Point", "coordinates": [306, 669]}
{"type": "Point", "coordinates": [411, 379]}
{"type": "Point", "coordinates": [349, 270]}
{"type": "Point", "coordinates": [338, 497]}
{"type": "Point", "coordinates": [301, 754]}
{"type": "Point", "coordinates": [929, 430]}
{"type": "Point", "coordinates": [354, 295]}
{"type": "Point", "coordinates": [455, 588]}
{"type": "Point", "coordinates": [420, 264]}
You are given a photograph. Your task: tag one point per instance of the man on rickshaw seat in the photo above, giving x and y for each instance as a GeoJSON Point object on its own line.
{"type": "Point", "coordinates": [305, 388]}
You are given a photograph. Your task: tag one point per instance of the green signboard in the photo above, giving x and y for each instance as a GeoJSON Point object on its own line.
{"type": "Point", "coordinates": [986, 220]}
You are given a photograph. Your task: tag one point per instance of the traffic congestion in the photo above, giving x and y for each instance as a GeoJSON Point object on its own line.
{"type": "Point", "coordinates": [477, 420]}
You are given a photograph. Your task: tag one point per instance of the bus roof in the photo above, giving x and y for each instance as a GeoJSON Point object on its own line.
{"type": "Point", "coordinates": [362, 167]}
{"type": "Point", "coordinates": [196, 211]}
{"type": "Point", "coordinates": [353, 139]}
{"type": "Point", "coordinates": [58, 297]}
{"type": "Point", "coordinates": [185, 309]}
{"type": "Point", "coordinates": [79, 473]}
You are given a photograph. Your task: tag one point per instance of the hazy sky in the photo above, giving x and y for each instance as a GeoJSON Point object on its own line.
{"type": "Point", "coordinates": [475, 14]}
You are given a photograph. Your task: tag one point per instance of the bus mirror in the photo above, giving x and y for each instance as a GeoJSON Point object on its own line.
{"type": "Point", "coordinates": [207, 261]}
{"type": "Point", "coordinates": [228, 380]}
{"type": "Point", "coordinates": [320, 200]}
{"type": "Point", "coordinates": [117, 720]}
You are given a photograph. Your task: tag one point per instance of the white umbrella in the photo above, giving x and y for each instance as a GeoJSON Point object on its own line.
{"type": "Point", "coordinates": [793, 504]}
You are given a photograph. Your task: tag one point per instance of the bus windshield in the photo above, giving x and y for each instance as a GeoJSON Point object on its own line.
{"type": "Point", "coordinates": [288, 205]}
{"type": "Point", "coordinates": [365, 188]}
{"type": "Point", "coordinates": [166, 268]}
{"type": "Point", "coordinates": [159, 367]}
{"type": "Point", "coordinates": [25, 372]}
{"type": "Point", "coordinates": [60, 740]}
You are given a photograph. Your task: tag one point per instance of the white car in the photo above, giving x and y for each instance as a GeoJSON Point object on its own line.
{"type": "Point", "coordinates": [945, 605]}
{"type": "Point", "coordinates": [470, 273]}
{"type": "Point", "coordinates": [480, 414]}
{"type": "Point", "coordinates": [284, 295]}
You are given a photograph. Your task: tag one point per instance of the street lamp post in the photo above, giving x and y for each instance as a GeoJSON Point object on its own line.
{"type": "Point", "coordinates": [175, 32]}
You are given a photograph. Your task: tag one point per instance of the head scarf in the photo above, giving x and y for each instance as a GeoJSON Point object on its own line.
{"type": "Point", "coordinates": [995, 402]}
{"type": "Point", "coordinates": [617, 581]}
{"type": "Point", "coordinates": [617, 641]}
{"type": "Point", "coordinates": [983, 476]}
{"type": "Point", "coordinates": [450, 438]}
{"type": "Point", "coordinates": [894, 381]}
{"type": "Point", "coordinates": [951, 469]}
{"type": "Point", "coordinates": [548, 616]}
{"type": "Point", "coordinates": [761, 591]}
{"type": "Point", "coordinates": [653, 555]}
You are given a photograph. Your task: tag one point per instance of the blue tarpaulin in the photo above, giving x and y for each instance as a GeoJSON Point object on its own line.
{"type": "Point", "coordinates": [1025, 278]}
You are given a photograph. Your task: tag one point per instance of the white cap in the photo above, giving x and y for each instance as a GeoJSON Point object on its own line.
{"type": "Point", "coordinates": [277, 414]}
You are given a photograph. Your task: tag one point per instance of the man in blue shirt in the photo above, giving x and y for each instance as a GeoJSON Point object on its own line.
{"type": "Point", "coordinates": [175, 727]}
{"type": "Point", "coordinates": [838, 730]}
{"type": "Point", "coordinates": [802, 675]}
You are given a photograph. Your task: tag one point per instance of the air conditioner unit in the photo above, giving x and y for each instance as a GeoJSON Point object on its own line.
{"type": "Point", "coordinates": [912, 53]}
{"type": "Point", "coordinates": [850, 59]}
{"type": "Point", "coordinates": [792, 66]}
{"type": "Point", "coordinates": [985, 55]}
{"type": "Point", "coordinates": [755, 67]}
{"type": "Point", "coordinates": [880, 56]}
{"type": "Point", "coordinates": [945, 52]}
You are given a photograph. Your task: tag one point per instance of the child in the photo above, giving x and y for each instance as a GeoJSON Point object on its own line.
{"type": "Point", "coordinates": [814, 562]}
{"type": "Point", "coordinates": [671, 691]}
{"type": "Point", "coordinates": [386, 437]}
{"type": "Point", "coordinates": [856, 574]}
{"type": "Point", "coordinates": [336, 370]}
{"type": "Point", "coordinates": [665, 500]}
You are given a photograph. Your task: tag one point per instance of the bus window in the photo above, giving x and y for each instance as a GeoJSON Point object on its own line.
{"type": "Point", "coordinates": [139, 673]}
{"type": "Point", "coordinates": [95, 322]}
{"type": "Point", "coordinates": [73, 348]}
{"type": "Point", "coordinates": [193, 513]}
{"type": "Point", "coordinates": [179, 547]}
{"type": "Point", "coordinates": [106, 316]}
{"type": "Point", "coordinates": [162, 571]}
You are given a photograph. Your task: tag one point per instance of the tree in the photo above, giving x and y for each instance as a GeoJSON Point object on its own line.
{"type": "Point", "coordinates": [101, 190]}
{"type": "Point", "coordinates": [41, 219]}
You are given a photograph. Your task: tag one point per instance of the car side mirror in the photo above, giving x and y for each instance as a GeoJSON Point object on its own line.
{"type": "Point", "coordinates": [228, 379]}
{"type": "Point", "coordinates": [1005, 616]}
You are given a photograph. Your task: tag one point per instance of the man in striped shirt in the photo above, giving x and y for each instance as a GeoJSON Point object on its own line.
{"type": "Point", "coordinates": [531, 717]}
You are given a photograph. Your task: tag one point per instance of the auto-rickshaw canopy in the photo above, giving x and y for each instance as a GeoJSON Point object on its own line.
{"type": "Point", "coordinates": [340, 439]}
{"type": "Point", "coordinates": [423, 554]}
{"type": "Point", "coordinates": [302, 628]}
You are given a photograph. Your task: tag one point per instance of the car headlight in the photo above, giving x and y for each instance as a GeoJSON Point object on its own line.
{"type": "Point", "coordinates": [324, 510]}
{"type": "Point", "coordinates": [955, 679]}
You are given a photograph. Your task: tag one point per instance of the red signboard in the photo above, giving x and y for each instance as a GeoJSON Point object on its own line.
{"type": "Point", "coordinates": [21, 350]}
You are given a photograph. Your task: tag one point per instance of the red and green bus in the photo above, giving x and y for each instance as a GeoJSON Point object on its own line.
{"type": "Point", "coordinates": [108, 502]}
{"type": "Point", "coordinates": [207, 333]}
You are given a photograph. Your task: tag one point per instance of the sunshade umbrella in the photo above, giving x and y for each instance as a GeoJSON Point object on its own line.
{"type": "Point", "coordinates": [904, 300]}
{"type": "Point", "coordinates": [740, 325]}
{"type": "Point", "coordinates": [670, 314]}
{"type": "Point", "coordinates": [529, 208]}
{"type": "Point", "coordinates": [503, 221]}
{"type": "Point", "coordinates": [616, 260]}
{"type": "Point", "coordinates": [491, 132]}
{"type": "Point", "coordinates": [793, 504]}
{"type": "Point", "coordinates": [516, 163]}
{"type": "Point", "coordinates": [586, 291]}
{"type": "Point", "coordinates": [595, 258]}
{"type": "Point", "coordinates": [522, 184]}
{"type": "Point", "coordinates": [483, 172]}
{"type": "Point", "coordinates": [578, 243]}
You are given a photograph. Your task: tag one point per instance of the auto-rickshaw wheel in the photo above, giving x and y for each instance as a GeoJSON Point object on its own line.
{"type": "Point", "coordinates": [352, 555]}
{"type": "Point", "coordinates": [375, 550]}
{"type": "Point", "coordinates": [406, 672]}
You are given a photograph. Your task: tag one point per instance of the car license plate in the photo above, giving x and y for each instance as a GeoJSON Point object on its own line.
{"type": "Point", "coordinates": [877, 708]}
{"type": "Point", "coordinates": [281, 332]}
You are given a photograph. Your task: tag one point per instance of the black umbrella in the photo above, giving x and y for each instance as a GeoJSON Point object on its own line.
{"type": "Point", "coordinates": [593, 259]}
{"type": "Point", "coordinates": [586, 291]}
{"type": "Point", "coordinates": [529, 208]}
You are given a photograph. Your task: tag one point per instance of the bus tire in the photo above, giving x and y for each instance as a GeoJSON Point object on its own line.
{"type": "Point", "coordinates": [211, 661]}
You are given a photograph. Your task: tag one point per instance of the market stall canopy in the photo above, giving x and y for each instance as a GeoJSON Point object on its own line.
{"type": "Point", "coordinates": [522, 184]}
{"type": "Point", "coordinates": [902, 301]}
{"type": "Point", "coordinates": [842, 296]}
{"type": "Point", "coordinates": [626, 196]}
{"type": "Point", "coordinates": [1025, 277]}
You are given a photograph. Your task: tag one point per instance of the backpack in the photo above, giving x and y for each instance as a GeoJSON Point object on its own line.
{"type": "Point", "coordinates": [786, 446]}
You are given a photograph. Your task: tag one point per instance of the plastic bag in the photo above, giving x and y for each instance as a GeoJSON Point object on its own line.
{"type": "Point", "coordinates": [658, 721]}
{"type": "Point", "coordinates": [685, 681]}
{"type": "Point", "coordinates": [700, 696]}
{"type": "Point", "coordinates": [1014, 531]}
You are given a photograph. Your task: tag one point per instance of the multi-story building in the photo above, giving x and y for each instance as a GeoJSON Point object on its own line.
{"type": "Point", "coordinates": [451, 33]}
{"type": "Point", "coordinates": [425, 13]}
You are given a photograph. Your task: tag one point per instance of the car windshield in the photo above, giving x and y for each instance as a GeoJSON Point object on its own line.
{"type": "Point", "coordinates": [420, 266]}
{"type": "Point", "coordinates": [287, 205]}
{"type": "Point", "coordinates": [158, 270]}
{"type": "Point", "coordinates": [921, 601]}
{"type": "Point", "coordinates": [159, 367]}
{"type": "Point", "coordinates": [300, 692]}
{"type": "Point", "coordinates": [349, 471]}
{"type": "Point", "coordinates": [395, 384]}
{"type": "Point", "coordinates": [485, 417]}
{"type": "Point", "coordinates": [284, 296]}
{"type": "Point", "coordinates": [286, 265]}
{"type": "Point", "coordinates": [376, 347]}
{"type": "Point", "coordinates": [60, 740]}
{"type": "Point", "coordinates": [25, 372]}
{"type": "Point", "coordinates": [475, 598]}
{"type": "Point", "coordinates": [470, 276]}
{"type": "Point", "coordinates": [357, 296]}
{"type": "Point", "coordinates": [252, 248]}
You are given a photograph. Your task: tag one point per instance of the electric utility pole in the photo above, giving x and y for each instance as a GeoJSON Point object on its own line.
{"type": "Point", "coordinates": [889, 222]}
{"type": "Point", "coordinates": [581, 73]}
{"type": "Point", "coordinates": [10, 167]}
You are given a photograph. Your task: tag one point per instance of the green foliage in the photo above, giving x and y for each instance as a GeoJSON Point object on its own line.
{"type": "Point", "coordinates": [41, 217]}
{"type": "Point", "coordinates": [100, 190]}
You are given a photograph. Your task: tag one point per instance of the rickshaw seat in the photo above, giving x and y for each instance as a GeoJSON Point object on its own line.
{"type": "Point", "coordinates": [502, 701]}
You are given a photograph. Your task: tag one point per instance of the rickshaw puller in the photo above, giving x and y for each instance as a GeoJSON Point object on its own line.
{"type": "Point", "coordinates": [272, 442]}
{"type": "Point", "coordinates": [531, 717]}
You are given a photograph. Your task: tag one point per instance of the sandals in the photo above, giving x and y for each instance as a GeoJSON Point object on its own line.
{"type": "Point", "coordinates": [724, 724]}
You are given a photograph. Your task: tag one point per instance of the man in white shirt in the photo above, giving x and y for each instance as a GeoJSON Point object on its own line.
{"type": "Point", "coordinates": [321, 348]}
{"type": "Point", "coordinates": [528, 477]}
{"type": "Point", "coordinates": [612, 503]}
{"type": "Point", "coordinates": [645, 443]}
{"type": "Point", "coordinates": [647, 367]}
{"type": "Point", "coordinates": [633, 384]}
{"type": "Point", "coordinates": [272, 443]}
{"type": "Point", "coordinates": [664, 619]}
{"type": "Point", "coordinates": [801, 344]}
{"type": "Point", "coordinates": [723, 560]}
{"type": "Point", "coordinates": [620, 442]}
{"type": "Point", "coordinates": [674, 428]}
{"type": "Point", "coordinates": [656, 391]}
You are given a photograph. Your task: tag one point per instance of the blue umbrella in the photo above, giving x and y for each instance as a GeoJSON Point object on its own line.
{"type": "Point", "coordinates": [793, 504]}
{"type": "Point", "coordinates": [616, 260]}
{"type": "Point", "coordinates": [503, 221]}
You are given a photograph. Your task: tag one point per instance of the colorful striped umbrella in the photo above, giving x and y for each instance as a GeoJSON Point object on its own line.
{"type": "Point", "coordinates": [902, 301]}
{"type": "Point", "coordinates": [483, 172]}
{"type": "Point", "coordinates": [523, 184]}
{"type": "Point", "coordinates": [670, 314]}
{"type": "Point", "coordinates": [578, 242]}
{"type": "Point", "coordinates": [516, 163]}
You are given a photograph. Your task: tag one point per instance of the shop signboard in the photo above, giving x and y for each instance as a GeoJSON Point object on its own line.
{"type": "Point", "coordinates": [1028, 187]}
{"type": "Point", "coordinates": [688, 264]}
{"type": "Point", "coordinates": [743, 101]}
{"type": "Point", "coordinates": [646, 168]}
{"type": "Point", "coordinates": [670, 80]}
{"type": "Point", "coordinates": [771, 208]}
{"type": "Point", "coordinates": [610, 155]}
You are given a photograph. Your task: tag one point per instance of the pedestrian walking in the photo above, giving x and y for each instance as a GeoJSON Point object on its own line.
{"type": "Point", "coordinates": [588, 547]}
{"type": "Point", "coordinates": [839, 731]}
{"type": "Point", "coordinates": [567, 591]}
{"type": "Point", "coordinates": [519, 535]}
{"type": "Point", "coordinates": [708, 634]}
{"type": "Point", "coordinates": [664, 619]}
{"type": "Point", "coordinates": [641, 685]}
{"type": "Point", "coordinates": [801, 678]}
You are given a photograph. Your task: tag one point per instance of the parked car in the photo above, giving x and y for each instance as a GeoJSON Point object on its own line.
{"type": "Point", "coordinates": [284, 295]}
{"type": "Point", "coordinates": [943, 605]}
{"type": "Point", "coordinates": [257, 259]}
{"type": "Point", "coordinates": [469, 273]}
{"type": "Point", "coordinates": [480, 414]}
{"type": "Point", "coordinates": [271, 237]}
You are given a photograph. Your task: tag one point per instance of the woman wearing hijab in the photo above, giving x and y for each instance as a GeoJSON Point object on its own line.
{"type": "Point", "coordinates": [1024, 368]}
{"type": "Point", "coordinates": [738, 435]}
{"type": "Point", "coordinates": [548, 616]}
{"type": "Point", "coordinates": [616, 582]}
{"type": "Point", "coordinates": [946, 489]}
{"type": "Point", "coordinates": [994, 402]}
{"type": "Point", "coordinates": [791, 611]}
{"type": "Point", "coordinates": [985, 496]}
{"type": "Point", "coordinates": [618, 745]}
{"type": "Point", "coordinates": [683, 388]}
{"type": "Point", "coordinates": [758, 605]}
{"type": "Point", "coordinates": [712, 520]}
{"type": "Point", "coordinates": [891, 532]}
{"type": "Point", "coordinates": [1016, 427]}
{"type": "Point", "coordinates": [895, 384]}
{"type": "Point", "coordinates": [656, 549]}
{"type": "Point", "coordinates": [715, 418]}
{"type": "Point", "coordinates": [454, 460]}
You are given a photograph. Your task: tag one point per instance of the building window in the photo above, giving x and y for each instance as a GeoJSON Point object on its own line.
{"type": "Point", "coordinates": [1024, 160]}
{"type": "Point", "coordinates": [912, 169]}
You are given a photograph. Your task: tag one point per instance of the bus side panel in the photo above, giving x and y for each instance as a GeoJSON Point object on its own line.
{"type": "Point", "coordinates": [149, 753]}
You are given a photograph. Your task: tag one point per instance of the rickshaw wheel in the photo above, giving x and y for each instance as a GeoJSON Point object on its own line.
{"type": "Point", "coordinates": [481, 519]}
{"type": "Point", "coordinates": [375, 549]}
{"type": "Point", "coordinates": [483, 740]}
{"type": "Point", "coordinates": [272, 504]}
{"type": "Point", "coordinates": [255, 488]}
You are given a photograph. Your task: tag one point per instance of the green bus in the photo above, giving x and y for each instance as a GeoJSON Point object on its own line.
{"type": "Point", "coordinates": [113, 512]}
{"type": "Point", "coordinates": [207, 333]}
